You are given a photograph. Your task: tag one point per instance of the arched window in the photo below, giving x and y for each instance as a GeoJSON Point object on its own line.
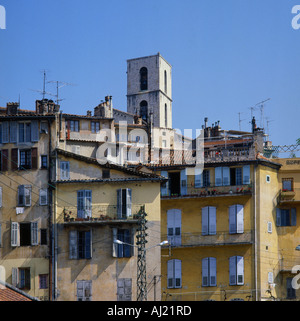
{"type": "Point", "coordinates": [166, 116]}
{"type": "Point", "coordinates": [166, 84]}
{"type": "Point", "coordinates": [144, 110]}
{"type": "Point", "coordinates": [143, 78]}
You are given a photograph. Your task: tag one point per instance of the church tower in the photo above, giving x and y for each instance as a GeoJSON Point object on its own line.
{"type": "Point", "coordinates": [149, 89]}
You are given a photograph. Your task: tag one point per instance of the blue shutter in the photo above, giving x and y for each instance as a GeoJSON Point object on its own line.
{"type": "Point", "coordinates": [119, 203]}
{"type": "Point", "coordinates": [34, 131]}
{"type": "Point", "coordinates": [13, 131]}
{"type": "Point", "coordinates": [218, 176]}
{"type": "Point", "coordinates": [246, 174]}
{"type": "Point", "coordinates": [212, 220]}
{"type": "Point", "coordinates": [198, 178]}
{"type": "Point", "coordinates": [293, 217]}
{"type": "Point", "coordinates": [232, 270]}
{"type": "Point", "coordinates": [205, 220]}
{"type": "Point", "coordinates": [226, 176]}
{"type": "Point", "coordinates": [239, 218]}
{"type": "Point", "coordinates": [212, 271]}
{"type": "Point", "coordinates": [5, 132]}
{"type": "Point", "coordinates": [278, 216]}
{"type": "Point", "coordinates": [240, 270]}
{"type": "Point", "coordinates": [165, 186]}
{"type": "Point", "coordinates": [205, 272]}
{"type": "Point", "coordinates": [88, 244]}
{"type": "Point", "coordinates": [171, 283]}
{"type": "Point", "coordinates": [128, 201]}
{"type": "Point", "coordinates": [183, 181]}
{"type": "Point", "coordinates": [232, 219]}
{"type": "Point", "coordinates": [80, 204]}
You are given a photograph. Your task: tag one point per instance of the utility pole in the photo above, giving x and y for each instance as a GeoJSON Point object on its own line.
{"type": "Point", "coordinates": [141, 260]}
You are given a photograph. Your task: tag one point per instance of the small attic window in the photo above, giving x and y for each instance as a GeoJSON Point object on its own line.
{"type": "Point", "coordinates": [268, 178]}
{"type": "Point", "coordinates": [106, 173]}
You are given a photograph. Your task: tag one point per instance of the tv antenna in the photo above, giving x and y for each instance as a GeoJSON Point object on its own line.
{"type": "Point", "coordinates": [261, 107]}
{"type": "Point", "coordinates": [240, 120]}
{"type": "Point", "coordinates": [59, 84]}
{"type": "Point", "coordinates": [268, 121]}
{"type": "Point", "coordinates": [43, 92]}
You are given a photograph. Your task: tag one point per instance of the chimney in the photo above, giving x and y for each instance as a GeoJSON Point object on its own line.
{"type": "Point", "coordinates": [89, 113]}
{"type": "Point", "coordinates": [12, 108]}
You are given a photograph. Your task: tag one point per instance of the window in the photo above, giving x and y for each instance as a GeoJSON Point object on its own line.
{"type": "Point", "coordinates": [80, 243]}
{"type": "Point", "coordinates": [126, 236]}
{"type": "Point", "coordinates": [290, 291]}
{"type": "Point", "coordinates": [24, 234]}
{"type": "Point", "coordinates": [144, 110]}
{"type": "Point", "coordinates": [24, 132]}
{"type": "Point", "coordinates": [43, 196]}
{"type": "Point", "coordinates": [268, 179]}
{"type": "Point", "coordinates": [143, 78]}
{"type": "Point", "coordinates": [84, 290]}
{"type": "Point", "coordinates": [21, 278]}
{"type": "Point", "coordinates": [209, 218]}
{"type": "Point", "coordinates": [236, 270]}
{"type": "Point", "coordinates": [25, 159]}
{"type": "Point", "coordinates": [106, 173]}
{"type": "Point", "coordinates": [24, 195]}
{"type": "Point", "coordinates": [84, 203]}
{"type": "Point", "coordinates": [206, 178]}
{"type": "Point", "coordinates": [222, 176]}
{"type": "Point", "coordinates": [124, 290]}
{"type": "Point", "coordinates": [232, 176]}
{"type": "Point", "coordinates": [287, 184]}
{"type": "Point", "coordinates": [164, 190]}
{"type": "Point", "coordinates": [124, 200]}
{"type": "Point", "coordinates": [236, 176]}
{"type": "Point", "coordinates": [174, 274]}
{"type": "Point", "coordinates": [174, 226]}
{"type": "Point", "coordinates": [64, 170]}
{"type": "Point", "coordinates": [43, 281]}
{"type": "Point", "coordinates": [44, 236]}
{"type": "Point", "coordinates": [44, 161]}
{"type": "Point", "coordinates": [166, 82]}
{"type": "Point", "coordinates": [236, 219]}
{"type": "Point", "coordinates": [95, 127]}
{"type": "Point", "coordinates": [286, 217]}
{"type": "Point", "coordinates": [74, 125]}
{"type": "Point", "coordinates": [202, 178]}
{"type": "Point", "coordinates": [209, 271]}
{"type": "Point", "coordinates": [166, 116]}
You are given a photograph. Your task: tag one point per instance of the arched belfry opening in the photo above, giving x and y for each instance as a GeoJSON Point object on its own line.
{"type": "Point", "coordinates": [144, 78]}
{"type": "Point", "coordinates": [144, 110]}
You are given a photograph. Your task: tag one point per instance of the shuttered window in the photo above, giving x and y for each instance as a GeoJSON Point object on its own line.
{"type": "Point", "coordinates": [236, 219]}
{"type": "Point", "coordinates": [84, 290]}
{"type": "Point", "coordinates": [209, 271]}
{"type": "Point", "coordinates": [80, 244]}
{"type": "Point", "coordinates": [64, 170]}
{"type": "Point", "coordinates": [5, 132]}
{"type": "Point", "coordinates": [124, 289]}
{"type": "Point", "coordinates": [209, 220]}
{"type": "Point", "coordinates": [84, 203]}
{"type": "Point", "coordinates": [14, 234]}
{"type": "Point", "coordinates": [286, 217]}
{"type": "Point", "coordinates": [124, 203]}
{"type": "Point", "coordinates": [174, 226]}
{"type": "Point", "coordinates": [236, 270]}
{"type": "Point", "coordinates": [13, 132]}
{"type": "Point", "coordinates": [43, 196]}
{"type": "Point", "coordinates": [4, 160]}
{"type": "Point", "coordinates": [24, 195]}
{"type": "Point", "coordinates": [222, 176]}
{"type": "Point", "coordinates": [174, 273]}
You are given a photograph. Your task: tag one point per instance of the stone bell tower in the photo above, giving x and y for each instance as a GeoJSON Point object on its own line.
{"type": "Point", "coordinates": [149, 89]}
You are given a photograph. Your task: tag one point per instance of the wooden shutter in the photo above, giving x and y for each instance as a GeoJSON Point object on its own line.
{"type": "Point", "coordinates": [34, 233]}
{"type": "Point", "coordinates": [64, 170]}
{"type": "Point", "coordinates": [114, 245]}
{"type": "Point", "coordinates": [171, 283]}
{"type": "Point", "coordinates": [128, 201]}
{"type": "Point", "coordinates": [212, 271]}
{"type": "Point", "coordinates": [88, 244]}
{"type": "Point", "coordinates": [73, 248]}
{"type": "Point", "coordinates": [205, 276]}
{"type": "Point", "coordinates": [43, 196]}
{"type": "Point", "coordinates": [5, 132]}
{"type": "Point", "coordinates": [177, 275]}
{"type": "Point", "coordinates": [226, 176]}
{"type": "Point", "coordinates": [218, 176]}
{"type": "Point", "coordinates": [240, 270]}
{"type": "Point", "coordinates": [239, 218]}
{"type": "Point", "coordinates": [27, 195]}
{"type": "Point", "coordinates": [13, 131]}
{"type": "Point", "coordinates": [278, 216]}
{"type": "Point", "coordinates": [21, 195]}
{"type": "Point", "coordinates": [15, 234]}
{"type": "Point", "coordinates": [4, 160]}
{"type": "Point", "coordinates": [293, 217]}
{"type": "Point", "coordinates": [183, 181]}
{"type": "Point", "coordinates": [34, 131]}
{"type": "Point", "coordinates": [14, 158]}
{"type": "Point", "coordinates": [80, 203]}
{"type": "Point", "coordinates": [205, 220]}
{"type": "Point", "coordinates": [34, 158]}
{"type": "Point", "coordinates": [246, 174]}
{"type": "Point", "coordinates": [119, 203]}
{"type": "Point", "coordinates": [232, 270]}
{"type": "Point", "coordinates": [165, 186]}
{"type": "Point", "coordinates": [174, 226]}
{"type": "Point", "coordinates": [232, 219]}
{"type": "Point", "coordinates": [88, 203]}
{"type": "Point", "coordinates": [212, 220]}
{"type": "Point", "coordinates": [15, 276]}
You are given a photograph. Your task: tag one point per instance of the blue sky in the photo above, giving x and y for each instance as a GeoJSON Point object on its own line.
{"type": "Point", "coordinates": [227, 55]}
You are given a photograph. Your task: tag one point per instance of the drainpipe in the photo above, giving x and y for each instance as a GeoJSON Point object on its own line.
{"type": "Point", "coordinates": [50, 213]}
{"type": "Point", "coordinates": [255, 234]}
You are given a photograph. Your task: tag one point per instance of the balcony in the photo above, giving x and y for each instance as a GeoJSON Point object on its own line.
{"type": "Point", "coordinates": [101, 214]}
{"type": "Point", "coordinates": [229, 154]}
{"type": "Point", "coordinates": [211, 191]}
{"type": "Point", "coordinates": [289, 196]}
{"type": "Point", "coordinates": [220, 238]}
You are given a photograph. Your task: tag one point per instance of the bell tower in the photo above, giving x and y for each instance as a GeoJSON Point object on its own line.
{"type": "Point", "coordinates": [149, 89]}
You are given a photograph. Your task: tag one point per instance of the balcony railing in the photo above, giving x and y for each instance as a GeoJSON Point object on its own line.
{"type": "Point", "coordinates": [211, 191]}
{"type": "Point", "coordinates": [289, 195]}
{"type": "Point", "coordinates": [229, 154]}
{"type": "Point", "coordinates": [220, 238]}
{"type": "Point", "coordinates": [101, 213]}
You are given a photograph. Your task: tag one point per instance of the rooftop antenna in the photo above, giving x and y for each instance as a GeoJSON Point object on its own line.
{"type": "Point", "coordinates": [261, 106]}
{"type": "Point", "coordinates": [59, 84]}
{"type": "Point", "coordinates": [268, 121]}
{"type": "Point", "coordinates": [240, 120]}
{"type": "Point", "coordinates": [43, 92]}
